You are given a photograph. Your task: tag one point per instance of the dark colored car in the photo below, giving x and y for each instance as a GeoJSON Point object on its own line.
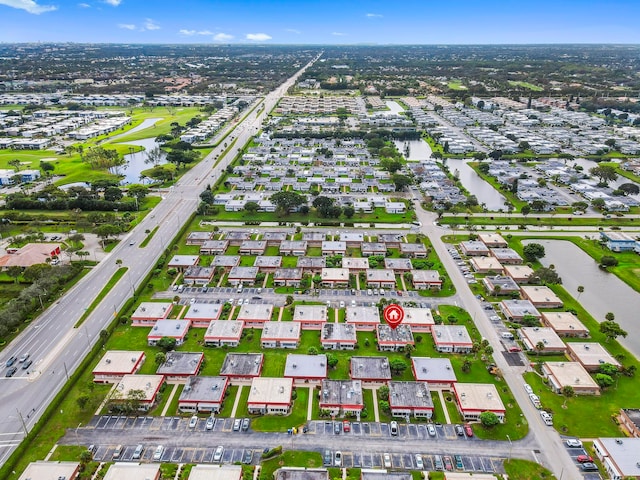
{"type": "Point", "coordinates": [10, 362]}
{"type": "Point", "coordinates": [327, 457]}
{"type": "Point", "coordinates": [11, 371]}
{"type": "Point", "coordinates": [247, 457]}
{"type": "Point", "coordinates": [245, 424]}
{"type": "Point", "coordinates": [27, 364]}
{"type": "Point", "coordinates": [458, 460]}
{"type": "Point", "coordinates": [337, 426]}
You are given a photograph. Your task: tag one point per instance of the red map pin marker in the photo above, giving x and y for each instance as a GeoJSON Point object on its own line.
{"type": "Point", "coordinates": [393, 314]}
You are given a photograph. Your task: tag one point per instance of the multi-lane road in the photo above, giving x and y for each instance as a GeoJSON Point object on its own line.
{"type": "Point", "coordinates": [55, 346]}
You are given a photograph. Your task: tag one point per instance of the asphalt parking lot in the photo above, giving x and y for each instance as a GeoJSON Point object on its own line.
{"type": "Point", "coordinates": [322, 430]}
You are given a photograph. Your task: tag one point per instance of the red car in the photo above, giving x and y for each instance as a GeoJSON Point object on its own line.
{"type": "Point", "coordinates": [346, 426]}
{"type": "Point", "coordinates": [515, 349]}
{"type": "Point", "coordinates": [400, 292]}
{"type": "Point", "coordinates": [584, 458]}
{"type": "Point", "coordinates": [448, 463]}
{"type": "Point", "coordinates": [468, 430]}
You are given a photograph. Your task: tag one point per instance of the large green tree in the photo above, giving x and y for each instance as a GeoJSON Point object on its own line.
{"type": "Point", "coordinates": [286, 201]}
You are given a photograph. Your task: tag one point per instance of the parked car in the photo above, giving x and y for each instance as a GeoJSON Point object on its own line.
{"type": "Point", "coordinates": [237, 423]}
{"type": "Point", "coordinates": [337, 460]}
{"type": "Point", "coordinates": [336, 427]}
{"type": "Point", "coordinates": [432, 430]}
{"type": "Point", "coordinates": [574, 443]}
{"type": "Point", "coordinates": [393, 428]}
{"type": "Point", "coordinates": [157, 454]}
{"type": "Point", "coordinates": [437, 461]}
{"type": "Point", "coordinates": [419, 462]}
{"type": "Point", "coordinates": [448, 463]}
{"type": "Point", "coordinates": [247, 456]}
{"type": "Point", "coordinates": [459, 430]}
{"type": "Point", "coordinates": [117, 452]}
{"type": "Point", "coordinates": [11, 372]}
{"type": "Point", "coordinates": [584, 459]}
{"type": "Point", "coordinates": [458, 460]}
{"type": "Point", "coordinates": [210, 423]}
{"type": "Point", "coordinates": [468, 430]}
{"type": "Point", "coordinates": [137, 453]}
{"type": "Point", "coordinates": [326, 458]}
{"type": "Point", "coordinates": [245, 424]}
{"type": "Point", "coordinates": [386, 460]}
{"type": "Point", "coordinates": [217, 455]}
{"type": "Point", "coordinates": [193, 422]}
{"type": "Point", "coordinates": [589, 467]}
{"type": "Point", "coordinates": [92, 449]}
{"type": "Point", "coordinates": [346, 426]}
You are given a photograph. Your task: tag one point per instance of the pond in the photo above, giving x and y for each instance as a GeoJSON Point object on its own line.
{"type": "Point", "coordinates": [135, 162]}
{"type": "Point", "coordinates": [413, 149]}
{"type": "Point", "coordinates": [603, 291]}
{"type": "Point", "coordinates": [484, 192]}
{"type": "Point", "coordinates": [394, 107]}
{"type": "Point", "coordinates": [145, 124]}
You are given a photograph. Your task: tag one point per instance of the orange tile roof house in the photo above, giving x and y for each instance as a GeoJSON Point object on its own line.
{"type": "Point", "coordinates": [115, 364]}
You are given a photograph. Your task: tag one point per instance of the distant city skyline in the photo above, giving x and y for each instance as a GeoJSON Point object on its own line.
{"type": "Point", "coordinates": [320, 22]}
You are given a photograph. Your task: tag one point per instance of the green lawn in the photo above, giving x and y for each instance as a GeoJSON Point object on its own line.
{"type": "Point", "coordinates": [525, 470]}
{"type": "Point", "coordinates": [279, 423]}
{"type": "Point", "coordinates": [289, 459]}
{"type": "Point", "coordinates": [527, 85]}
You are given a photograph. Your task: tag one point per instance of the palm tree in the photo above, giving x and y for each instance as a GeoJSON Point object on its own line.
{"type": "Point", "coordinates": [580, 290]}
{"type": "Point", "coordinates": [539, 347]}
{"type": "Point", "coordinates": [567, 392]}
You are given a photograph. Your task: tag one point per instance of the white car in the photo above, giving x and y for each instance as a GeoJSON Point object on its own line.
{"type": "Point", "coordinates": [157, 455]}
{"type": "Point", "coordinates": [432, 430]}
{"type": "Point", "coordinates": [387, 460]}
{"type": "Point", "coordinates": [574, 443]}
{"type": "Point", "coordinates": [210, 423]}
{"type": "Point", "coordinates": [341, 304]}
{"type": "Point", "coordinates": [217, 455]}
{"type": "Point", "coordinates": [382, 291]}
{"type": "Point", "coordinates": [337, 459]}
{"type": "Point", "coordinates": [419, 462]}
{"type": "Point", "coordinates": [193, 422]}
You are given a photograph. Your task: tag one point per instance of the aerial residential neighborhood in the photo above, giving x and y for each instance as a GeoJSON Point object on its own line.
{"type": "Point", "coordinates": [277, 242]}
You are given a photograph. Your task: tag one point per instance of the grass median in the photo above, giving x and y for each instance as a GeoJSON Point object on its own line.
{"type": "Point", "coordinates": [103, 293]}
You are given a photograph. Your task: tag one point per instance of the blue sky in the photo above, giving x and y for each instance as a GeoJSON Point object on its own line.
{"type": "Point", "coordinates": [321, 22]}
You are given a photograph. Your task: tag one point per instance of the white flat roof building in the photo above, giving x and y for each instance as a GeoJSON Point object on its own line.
{"type": "Point", "coordinates": [561, 374]}
{"type": "Point", "coordinates": [419, 319]}
{"type": "Point", "coordinates": [42, 470]}
{"type": "Point", "coordinates": [116, 363]}
{"type": "Point", "coordinates": [565, 324]}
{"type": "Point", "coordinates": [216, 472]}
{"type": "Point", "coordinates": [551, 342]}
{"type": "Point", "coordinates": [541, 296]}
{"type": "Point", "coordinates": [133, 471]}
{"type": "Point", "coordinates": [591, 355]}
{"type": "Point", "coordinates": [475, 398]}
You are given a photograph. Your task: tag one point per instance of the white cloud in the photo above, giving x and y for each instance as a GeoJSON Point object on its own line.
{"type": "Point", "coordinates": [293, 30]}
{"type": "Point", "coordinates": [222, 37]}
{"type": "Point", "coordinates": [374, 15]}
{"type": "Point", "coordinates": [258, 37]}
{"type": "Point", "coordinates": [190, 33]}
{"type": "Point", "coordinates": [339, 34]}
{"type": "Point", "coordinates": [127, 26]}
{"type": "Point", "coordinates": [151, 25]}
{"type": "Point", "coordinates": [29, 6]}
{"type": "Point", "coordinates": [84, 5]}
{"type": "Point", "coordinates": [113, 3]}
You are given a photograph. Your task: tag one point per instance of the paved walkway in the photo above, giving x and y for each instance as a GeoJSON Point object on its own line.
{"type": "Point", "coordinates": [310, 404]}
{"type": "Point", "coordinates": [236, 401]}
{"type": "Point", "coordinates": [171, 395]}
{"type": "Point", "coordinates": [280, 314]}
{"type": "Point", "coordinates": [336, 316]}
{"type": "Point", "coordinates": [444, 407]}
{"type": "Point", "coordinates": [376, 413]}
